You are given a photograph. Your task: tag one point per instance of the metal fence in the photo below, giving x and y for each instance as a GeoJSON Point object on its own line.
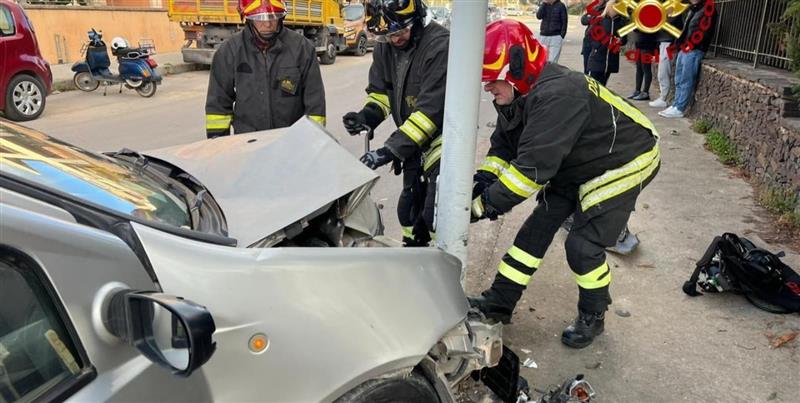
{"type": "Point", "coordinates": [746, 31]}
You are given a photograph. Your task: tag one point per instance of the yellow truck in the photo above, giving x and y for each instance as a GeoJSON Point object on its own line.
{"type": "Point", "coordinates": [208, 23]}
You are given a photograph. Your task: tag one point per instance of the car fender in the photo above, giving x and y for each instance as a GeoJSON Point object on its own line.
{"type": "Point", "coordinates": [333, 317]}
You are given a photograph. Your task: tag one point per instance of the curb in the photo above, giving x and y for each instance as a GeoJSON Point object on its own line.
{"type": "Point", "coordinates": [167, 69]}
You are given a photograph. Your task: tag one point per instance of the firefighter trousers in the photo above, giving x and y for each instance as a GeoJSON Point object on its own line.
{"type": "Point", "coordinates": [415, 207]}
{"type": "Point", "coordinates": [585, 247]}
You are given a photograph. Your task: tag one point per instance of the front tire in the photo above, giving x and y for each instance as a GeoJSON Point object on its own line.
{"type": "Point", "coordinates": [147, 89]}
{"type": "Point", "coordinates": [25, 98]}
{"type": "Point", "coordinates": [413, 388]}
{"type": "Point", "coordinates": [361, 46]}
{"type": "Point", "coordinates": [85, 82]}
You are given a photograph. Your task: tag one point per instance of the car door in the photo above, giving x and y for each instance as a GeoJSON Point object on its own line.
{"type": "Point", "coordinates": [7, 29]}
{"type": "Point", "coordinates": [55, 277]}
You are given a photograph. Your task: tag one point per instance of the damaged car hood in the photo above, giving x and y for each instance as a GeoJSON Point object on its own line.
{"type": "Point", "coordinates": [266, 181]}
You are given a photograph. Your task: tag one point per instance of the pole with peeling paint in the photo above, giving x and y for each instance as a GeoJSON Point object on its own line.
{"type": "Point", "coordinates": [461, 105]}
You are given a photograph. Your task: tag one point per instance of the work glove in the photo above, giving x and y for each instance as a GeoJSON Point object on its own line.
{"type": "Point", "coordinates": [377, 158]}
{"type": "Point", "coordinates": [355, 122]}
{"type": "Point", "coordinates": [367, 119]}
{"type": "Point", "coordinates": [481, 181]}
{"type": "Point", "coordinates": [482, 208]}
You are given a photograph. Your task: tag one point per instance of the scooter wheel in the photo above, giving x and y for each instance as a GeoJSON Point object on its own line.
{"type": "Point", "coordinates": [85, 82]}
{"type": "Point", "coordinates": [147, 89]}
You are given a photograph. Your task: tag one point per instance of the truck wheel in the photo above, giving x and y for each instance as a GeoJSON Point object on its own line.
{"type": "Point", "coordinates": [330, 53]}
{"type": "Point", "coordinates": [25, 98]}
{"type": "Point", "coordinates": [413, 388]}
{"type": "Point", "coordinates": [361, 47]}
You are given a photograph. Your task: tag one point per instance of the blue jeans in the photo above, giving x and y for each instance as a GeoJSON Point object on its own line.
{"type": "Point", "coordinates": [686, 69]}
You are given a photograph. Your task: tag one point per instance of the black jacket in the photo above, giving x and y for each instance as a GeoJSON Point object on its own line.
{"type": "Point", "coordinates": [677, 22]}
{"type": "Point", "coordinates": [554, 19]}
{"type": "Point", "coordinates": [573, 134]}
{"type": "Point", "coordinates": [601, 56]}
{"type": "Point", "coordinates": [695, 23]}
{"type": "Point", "coordinates": [647, 42]}
{"type": "Point", "coordinates": [410, 85]}
{"type": "Point", "coordinates": [257, 90]}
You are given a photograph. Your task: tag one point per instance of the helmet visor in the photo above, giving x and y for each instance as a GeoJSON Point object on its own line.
{"type": "Point", "coordinates": [385, 38]}
{"type": "Point", "coordinates": [266, 16]}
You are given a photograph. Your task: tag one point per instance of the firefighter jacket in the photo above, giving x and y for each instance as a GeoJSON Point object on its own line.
{"type": "Point", "coordinates": [571, 133]}
{"type": "Point", "coordinates": [259, 90]}
{"type": "Point", "coordinates": [410, 85]}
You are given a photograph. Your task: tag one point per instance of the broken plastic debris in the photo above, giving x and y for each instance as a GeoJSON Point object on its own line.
{"type": "Point", "coordinates": [526, 351]}
{"type": "Point", "coordinates": [530, 363]}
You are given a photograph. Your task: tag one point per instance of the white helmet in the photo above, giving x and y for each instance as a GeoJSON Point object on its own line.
{"type": "Point", "coordinates": [119, 43]}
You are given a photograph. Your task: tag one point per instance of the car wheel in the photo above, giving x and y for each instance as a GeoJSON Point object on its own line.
{"type": "Point", "coordinates": [413, 388]}
{"type": "Point", "coordinates": [361, 47]}
{"type": "Point", "coordinates": [25, 98]}
{"type": "Point", "coordinates": [85, 82]}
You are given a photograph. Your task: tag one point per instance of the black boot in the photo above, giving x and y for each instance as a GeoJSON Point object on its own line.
{"type": "Point", "coordinates": [584, 329]}
{"type": "Point", "coordinates": [498, 302]}
{"type": "Point", "coordinates": [493, 306]}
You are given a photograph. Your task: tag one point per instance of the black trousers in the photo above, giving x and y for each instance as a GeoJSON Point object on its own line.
{"type": "Point", "coordinates": [585, 247]}
{"type": "Point", "coordinates": [416, 205]}
{"type": "Point", "coordinates": [643, 72]}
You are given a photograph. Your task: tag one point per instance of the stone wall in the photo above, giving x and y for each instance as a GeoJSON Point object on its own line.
{"type": "Point", "coordinates": [747, 104]}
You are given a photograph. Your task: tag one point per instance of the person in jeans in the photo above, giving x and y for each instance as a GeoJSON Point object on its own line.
{"type": "Point", "coordinates": [646, 45]}
{"type": "Point", "coordinates": [665, 40]}
{"type": "Point", "coordinates": [553, 28]}
{"type": "Point", "coordinates": [602, 61]}
{"type": "Point", "coordinates": [690, 55]}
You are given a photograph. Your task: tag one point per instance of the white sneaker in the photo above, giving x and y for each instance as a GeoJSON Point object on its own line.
{"type": "Point", "coordinates": [658, 103]}
{"type": "Point", "coordinates": [671, 112]}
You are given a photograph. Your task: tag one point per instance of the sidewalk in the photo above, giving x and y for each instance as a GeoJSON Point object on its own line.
{"type": "Point", "coordinates": [659, 344]}
{"type": "Point", "coordinates": [168, 64]}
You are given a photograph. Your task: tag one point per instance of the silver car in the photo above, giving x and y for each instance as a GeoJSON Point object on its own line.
{"type": "Point", "coordinates": [175, 275]}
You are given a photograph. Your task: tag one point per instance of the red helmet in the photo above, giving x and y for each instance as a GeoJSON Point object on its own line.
{"type": "Point", "coordinates": [512, 54]}
{"type": "Point", "coordinates": [262, 10]}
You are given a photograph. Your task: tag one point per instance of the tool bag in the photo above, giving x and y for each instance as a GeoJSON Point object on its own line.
{"type": "Point", "coordinates": [735, 264]}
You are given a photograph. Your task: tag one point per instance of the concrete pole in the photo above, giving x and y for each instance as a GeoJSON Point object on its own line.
{"type": "Point", "coordinates": [461, 105]}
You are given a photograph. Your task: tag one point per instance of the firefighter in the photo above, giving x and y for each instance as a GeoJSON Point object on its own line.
{"type": "Point", "coordinates": [263, 77]}
{"type": "Point", "coordinates": [585, 150]}
{"type": "Point", "coordinates": [406, 81]}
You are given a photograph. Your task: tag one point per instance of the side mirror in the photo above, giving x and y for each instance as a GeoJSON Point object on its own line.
{"type": "Point", "coordinates": [170, 331]}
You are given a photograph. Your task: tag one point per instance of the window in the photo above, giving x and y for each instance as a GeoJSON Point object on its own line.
{"type": "Point", "coordinates": [37, 356]}
{"type": "Point", "coordinates": [6, 22]}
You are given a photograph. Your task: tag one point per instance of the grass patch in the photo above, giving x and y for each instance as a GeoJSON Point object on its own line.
{"type": "Point", "coordinates": [701, 126]}
{"type": "Point", "coordinates": [784, 203]}
{"type": "Point", "coordinates": [720, 144]}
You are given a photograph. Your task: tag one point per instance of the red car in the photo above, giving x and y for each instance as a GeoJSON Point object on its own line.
{"type": "Point", "coordinates": [25, 77]}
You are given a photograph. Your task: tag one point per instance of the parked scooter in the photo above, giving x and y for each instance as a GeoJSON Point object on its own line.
{"type": "Point", "coordinates": [136, 69]}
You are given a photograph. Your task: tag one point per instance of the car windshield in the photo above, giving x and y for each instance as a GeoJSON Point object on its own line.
{"type": "Point", "coordinates": [353, 12]}
{"type": "Point", "coordinates": [102, 180]}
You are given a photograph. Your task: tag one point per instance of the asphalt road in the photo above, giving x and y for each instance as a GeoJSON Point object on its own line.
{"type": "Point", "coordinates": [176, 115]}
